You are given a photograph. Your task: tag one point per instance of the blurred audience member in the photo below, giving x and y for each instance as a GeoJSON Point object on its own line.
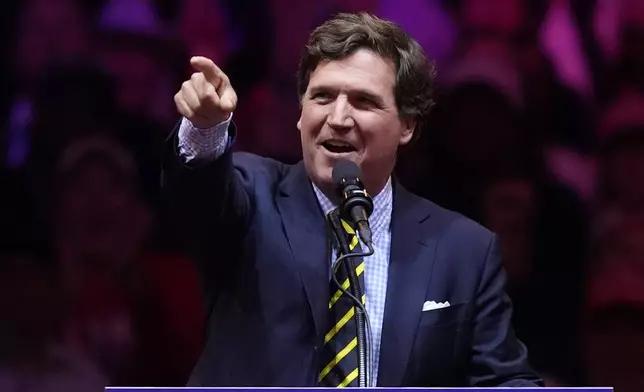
{"type": "Point", "coordinates": [137, 312]}
{"type": "Point", "coordinates": [292, 21]}
{"type": "Point", "coordinates": [607, 20]}
{"type": "Point", "coordinates": [203, 30]}
{"type": "Point", "coordinates": [98, 212]}
{"type": "Point", "coordinates": [620, 31]}
{"type": "Point", "coordinates": [561, 37]}
{"type": "Point", "coordinates": [487, 59]}
{"type": "Point", "coordinates": [78, 99]}
{"type": "Point", "coordinates": [474, 126]}
{"type": "Point", "coordinates": [561, 116]}
{"type": "Point", "coordinates": [621, 170]}
{"type": "Point", "coordinates": [73, 98]}
{"type": "Point", "coordinates": [438, 41]}
{"type": "Point", "coordinates": [35, 353]}
{"type": "Point", "coordinates": [501, 39]}
{"type": "Point", "coordinates": [506, 19]}
{"type": "Point", "coordinates": [632, 37]}
{"type": "Point", "coordinates": [250, 41]}
{"type": "Point", "coordinates": [624, 109]}
{"type": "Point", "coordinates": [613, 338]}
{"type": "Point", "coordinates": [141, 53]}
{"type": "Point", "coordinates": [561, 119]}
{"type": "Point", "coordinates": [542, 232]}
{"type": "Point", "coordinates": [269, 114]}
{"type": "Point", "coordinates": [621, 157]}
{"type": "Point", "coordinates": [48, 31]}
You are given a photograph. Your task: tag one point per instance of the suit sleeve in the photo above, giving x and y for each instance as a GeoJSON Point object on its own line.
{"type": "Point", "coordinates": [499, 358]}
{"type": "Point", "coordinates": [209, 199]}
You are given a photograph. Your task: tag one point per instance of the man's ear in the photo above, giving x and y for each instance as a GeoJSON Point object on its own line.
{"type": "Point", "coordinates": [409, 125]}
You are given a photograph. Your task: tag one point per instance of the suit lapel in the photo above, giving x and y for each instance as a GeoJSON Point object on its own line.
{"type": "Point", "coordinates": [305, 227]}
{"type": "Point", "coordinates": [410, 268]}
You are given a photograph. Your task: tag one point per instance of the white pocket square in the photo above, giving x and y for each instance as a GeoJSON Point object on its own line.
{"type": "Point", "coordinates": [432, 305]}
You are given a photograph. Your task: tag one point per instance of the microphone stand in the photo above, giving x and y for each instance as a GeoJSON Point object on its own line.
{"type": "Point", "coordinates": [363, 348]}
{"type": "Point", "coordinates": [347, 262]}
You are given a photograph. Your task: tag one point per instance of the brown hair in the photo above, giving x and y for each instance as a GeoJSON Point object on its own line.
{"type": "Point", "coordinates": [345, 33]}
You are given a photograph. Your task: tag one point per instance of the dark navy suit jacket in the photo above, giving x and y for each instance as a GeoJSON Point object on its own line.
{"type": "Point", "coordinates": [262, 244]}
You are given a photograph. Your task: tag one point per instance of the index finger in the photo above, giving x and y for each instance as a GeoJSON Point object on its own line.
{"type": "Point", "coordinates": [210, 70]}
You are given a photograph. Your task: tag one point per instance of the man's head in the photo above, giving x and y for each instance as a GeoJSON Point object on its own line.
{"type": "Point", "coordinates": [365, 87]}
{"type": "Point", "coordinates": [98, 210]}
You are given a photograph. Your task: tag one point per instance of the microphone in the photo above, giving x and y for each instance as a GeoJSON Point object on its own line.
{"type": "Point", "coordinates": [355, 203]}
{"type": "Point", "coordinates": [355, 206]}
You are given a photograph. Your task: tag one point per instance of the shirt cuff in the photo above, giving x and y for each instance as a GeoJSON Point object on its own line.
{"type": "Point", "coordinates": [203, 144]}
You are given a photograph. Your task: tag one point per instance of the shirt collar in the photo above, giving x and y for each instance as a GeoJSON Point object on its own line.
{"type": "Point", "coordinates": [382, 207]}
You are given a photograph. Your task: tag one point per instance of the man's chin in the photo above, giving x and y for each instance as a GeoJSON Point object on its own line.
{"type": "Point", "coordinates": [320, 170]}
{"type": "Point", "coordinates": [319, 173]}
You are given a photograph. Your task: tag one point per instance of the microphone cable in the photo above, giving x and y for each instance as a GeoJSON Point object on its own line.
{"type": "Point", "coordinates": [366, 360]}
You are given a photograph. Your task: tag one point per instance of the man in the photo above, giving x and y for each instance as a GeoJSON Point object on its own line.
{"type": "Point", "coordinates": [434, 286]}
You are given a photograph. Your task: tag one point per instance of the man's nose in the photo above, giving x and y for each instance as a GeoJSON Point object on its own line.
{"type": "Point", "coordinates": [340, 115]}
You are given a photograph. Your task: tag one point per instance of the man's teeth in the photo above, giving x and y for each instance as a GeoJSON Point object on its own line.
{"type": "Point", "coordinates": [338, 147]}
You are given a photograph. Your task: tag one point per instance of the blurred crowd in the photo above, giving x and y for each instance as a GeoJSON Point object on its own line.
{"type": "Point", "coordinates": [537, 133]}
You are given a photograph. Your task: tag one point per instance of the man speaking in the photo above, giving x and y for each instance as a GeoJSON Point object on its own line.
{"type": "Point", "coordinates": [294, 298]}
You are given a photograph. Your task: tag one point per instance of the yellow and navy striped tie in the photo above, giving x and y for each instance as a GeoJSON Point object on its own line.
{"type": "Point", "coordinates": [340, 353]}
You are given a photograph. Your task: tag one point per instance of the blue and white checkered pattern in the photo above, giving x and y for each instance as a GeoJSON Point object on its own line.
{"type": "Point", "coordinates": [211, 143]}
{"type": "Point", "coordinates": [203, 143]}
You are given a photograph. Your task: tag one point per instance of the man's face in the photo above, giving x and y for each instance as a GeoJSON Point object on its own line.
{"type": "Point", "coordinates": [349, 112]}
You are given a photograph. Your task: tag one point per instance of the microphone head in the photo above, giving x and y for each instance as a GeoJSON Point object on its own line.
{"type": "Point", "coordinates": [347, 178]}
{"type": "Point", "coordinates": [345, 173]}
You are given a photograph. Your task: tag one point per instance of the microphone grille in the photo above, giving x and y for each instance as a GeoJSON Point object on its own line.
{"type": "Point", "coordinates": [345, 170]}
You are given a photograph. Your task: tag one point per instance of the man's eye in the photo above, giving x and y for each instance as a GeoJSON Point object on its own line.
{"type": "Point", "coordinates": [366, 102]}
{"type": "Point", "coordinates": [322, 98]}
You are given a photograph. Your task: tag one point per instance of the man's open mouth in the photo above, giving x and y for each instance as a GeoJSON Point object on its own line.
{"type": "Point", "coordinates": [338, 147]}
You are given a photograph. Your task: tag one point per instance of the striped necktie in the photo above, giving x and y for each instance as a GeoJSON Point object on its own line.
{"type": "Point", "coordinates": [340, 354]}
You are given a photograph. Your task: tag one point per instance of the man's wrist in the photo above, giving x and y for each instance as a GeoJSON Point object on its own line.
{"type": "Point", "coordinates": [205, 127]}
